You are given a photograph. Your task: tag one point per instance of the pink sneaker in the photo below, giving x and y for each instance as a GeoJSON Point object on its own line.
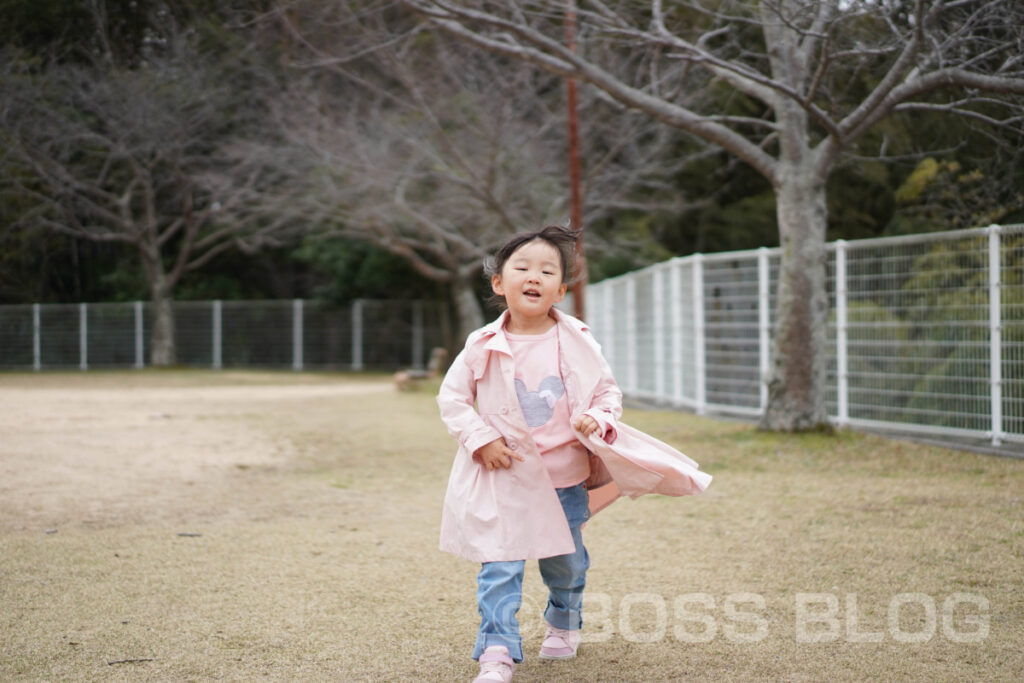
{"type": "Point", "coordinates": [559, 643]}
{"type": "Point", "coordinates": [496, 666]}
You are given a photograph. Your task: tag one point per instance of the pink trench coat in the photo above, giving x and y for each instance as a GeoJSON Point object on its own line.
{"type": "Point", "coordinates": [514, 514]}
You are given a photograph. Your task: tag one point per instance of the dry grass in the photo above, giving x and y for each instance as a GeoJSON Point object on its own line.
{"type": "Point", "coordinates": [316, 501]}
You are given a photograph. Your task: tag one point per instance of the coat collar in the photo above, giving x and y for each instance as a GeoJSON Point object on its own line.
{"type": "Point", "coordinates": [493, 339]}
{"type": "Point", "coordinates": [489, 338]}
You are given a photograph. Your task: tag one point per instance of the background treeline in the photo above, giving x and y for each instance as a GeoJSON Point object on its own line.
{"type": "Point", "coordinates": [263, 89]}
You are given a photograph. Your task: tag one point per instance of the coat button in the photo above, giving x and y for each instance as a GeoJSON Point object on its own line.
{"type": "Point", "coordinates": [513, 445]}
{"type": "Point", "coordinates": [504, 411]}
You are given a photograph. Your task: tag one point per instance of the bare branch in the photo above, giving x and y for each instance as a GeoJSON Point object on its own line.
{"type": "Point", "coordinates": [549, 54]}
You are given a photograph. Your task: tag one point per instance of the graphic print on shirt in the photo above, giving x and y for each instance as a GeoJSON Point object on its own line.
{"type": "Point", "coordinates": [538, 406]}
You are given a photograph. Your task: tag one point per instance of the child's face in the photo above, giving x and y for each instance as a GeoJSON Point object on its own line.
{"type": "Point", "coordinates": [531, 280]}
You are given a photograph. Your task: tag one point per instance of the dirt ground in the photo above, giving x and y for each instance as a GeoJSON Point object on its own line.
{"type": "Point", "coordinates": [192, 526]}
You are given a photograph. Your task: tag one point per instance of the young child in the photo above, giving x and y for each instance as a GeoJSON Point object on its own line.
{"type": "Point", "coordinates": [535, 410]}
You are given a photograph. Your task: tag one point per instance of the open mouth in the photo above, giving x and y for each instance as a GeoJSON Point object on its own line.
{"type": "Point", "coordinates": [532, 294]}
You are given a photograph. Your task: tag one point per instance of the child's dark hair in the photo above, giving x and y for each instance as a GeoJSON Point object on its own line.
{"type": "Point", "coordinates": [563, 239]}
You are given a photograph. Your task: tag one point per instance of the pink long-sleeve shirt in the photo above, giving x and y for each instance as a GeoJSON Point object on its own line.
{"type": "Point", "coordinates": [544, 404]}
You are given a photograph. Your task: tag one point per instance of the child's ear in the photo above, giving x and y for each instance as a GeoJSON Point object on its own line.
{"type": "Point", "coordinates": [562, 289]}
{"type": "Point", "coordinates": [496, 285]}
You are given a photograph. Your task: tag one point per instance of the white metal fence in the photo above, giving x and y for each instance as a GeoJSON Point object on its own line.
{"type": "Point", "coordinates": [927, 331]}
{"type": "Point", "coordinates": [299, 334]}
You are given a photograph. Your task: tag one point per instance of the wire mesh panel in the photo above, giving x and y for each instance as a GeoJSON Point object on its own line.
{"type": "Point", "coordinates": [598, 318]}
{"type": "Point", "coordinates": [918, 332]}
{"type": "Point", "coordinates": [424, 325]}
{"type": "Point", "coordinates": [60, 336]}
{"type": "Point", "coordinates": [389, 334]}
{"type": "Point", "coordinates": [111, 335]}
{"type": "Point", "coordinates": [193, 332]}
{"type": "Point", "coordinates": [594, 311]}
{"type": "Point", "coordinates": [732, 339]}
{"type": "Point", "coordinates": [437, 328]}
{"type": "Point", "coordinates": [257, 333]}
{"type": "Point", "coordinates": [17, 337]}
{"type": "Point", "coordinates": [647, 331]}
{"type": "Point", "coordinates": [665, 333]}
{"type": "Point", "coordinates": [618, 310]}
{"type": "Point", "coordinates": [327, 335]}
{"type": "Point", "coordinates": [683, 364]}
{"type": "Point", "coordinates": [1012, 333]}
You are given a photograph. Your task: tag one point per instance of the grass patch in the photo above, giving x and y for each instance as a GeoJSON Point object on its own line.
{"type": "Point", "coordinates": [316, 500]}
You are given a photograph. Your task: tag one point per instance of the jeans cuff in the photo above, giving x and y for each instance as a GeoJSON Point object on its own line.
{"type": "Point", "coordinates": [568, 620]}
{"type": "Point", "coordinates": [513, 643]}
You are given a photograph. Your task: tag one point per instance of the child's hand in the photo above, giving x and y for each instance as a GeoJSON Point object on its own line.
{"type": "Point", "coordinates": [587, 425]}
{"type": "Point", "coordinates": [496, 454]}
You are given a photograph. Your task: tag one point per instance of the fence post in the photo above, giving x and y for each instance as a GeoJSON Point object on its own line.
{"type": "Point", "coordinates": [995, 332]}
{"type": "Point", "coordinates": [218, 337]}
{"type": "Point", "coordinates": [659, 333]}
{"type": "Point", "coordinates": [417, 334]}
{"type": "Point", "coordinates": [763, 323]}
{"type": "Point", "coordinates": [357, 334]}
{"type": "Point", "coordinates": [37, 346]}
{"type": "Point", "coordinates": [842, 369]}
{"type": "Point", "coordinates": [139, 343]}
{"type": "Point", "coordinates": [698, 333]}
{"type": "Point", "coordinates": [297, 334]}
{"type": "Point", "coordinates": [676, 282]}
{"type": "Point", "coordinates": [83, 336]}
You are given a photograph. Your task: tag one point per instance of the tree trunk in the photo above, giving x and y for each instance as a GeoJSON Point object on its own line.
{"type": "Point", "coordinates": [467, 308]}
{"type": "Point", "coordinates": [162, 352]}
{"type": "Point", "coordinates": [796, 381]}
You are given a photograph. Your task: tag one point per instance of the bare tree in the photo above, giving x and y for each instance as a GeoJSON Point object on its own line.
{"type": "Point", "coordinates": [419, 147]}
{"type": "Point", "coordinates": [817, 75]}
{"type": "Point", "coordinates": [134, 157]}
{"type": "Point", "coordinates": [433, 169]}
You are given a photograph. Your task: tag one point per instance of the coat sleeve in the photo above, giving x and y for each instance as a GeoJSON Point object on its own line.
{"type": "Point", "coordinates": [456, 400]}
{"type": "Point", "coordinates": [606, 405]}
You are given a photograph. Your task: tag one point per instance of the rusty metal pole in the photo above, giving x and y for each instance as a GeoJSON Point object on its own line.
{"type": "Point", "coordinates": [576, 207]}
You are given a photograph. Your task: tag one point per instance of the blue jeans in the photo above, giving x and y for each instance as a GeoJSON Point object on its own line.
{"type": "Point", "coordinates": [500, 585]}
